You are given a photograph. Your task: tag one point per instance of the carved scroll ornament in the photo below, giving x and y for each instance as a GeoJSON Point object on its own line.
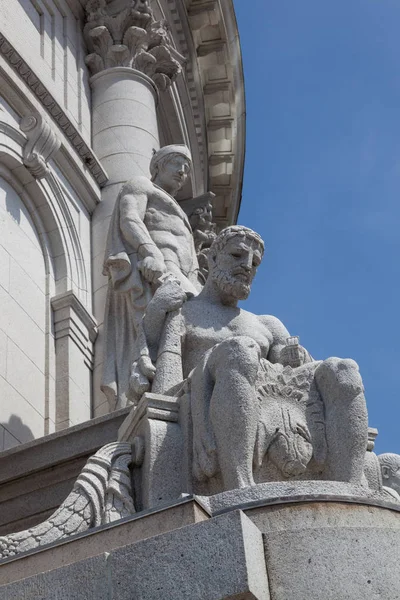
{"type": "Point", "coordinates": [42, 144]}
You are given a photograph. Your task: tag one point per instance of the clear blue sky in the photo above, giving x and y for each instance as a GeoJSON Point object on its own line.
{"type": "Point", "coordinates": [322, 181]}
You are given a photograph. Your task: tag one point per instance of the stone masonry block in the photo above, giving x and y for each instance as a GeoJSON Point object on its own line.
{"type": "Point", "coordinates": [218, 559]}
{"type": "Point", "coordinates": [84, 580]}
{"type": "Point", "coordinates": [334, 564]}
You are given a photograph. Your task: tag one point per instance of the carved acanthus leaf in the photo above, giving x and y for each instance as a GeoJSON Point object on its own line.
{"type": "Point", "coordinates": [135, 38]}
{"type": "Point", "coordinates": [101, 40]}
{"type": "Point", "coordinates": [124, 33]}
{"type": "Point", "coordinates": [41, 145]}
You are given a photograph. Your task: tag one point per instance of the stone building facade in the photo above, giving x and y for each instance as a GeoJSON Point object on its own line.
{"type": "Point", "coordinates": [229, 463]}
{"type": "Point", "coordinates": [78, 117]}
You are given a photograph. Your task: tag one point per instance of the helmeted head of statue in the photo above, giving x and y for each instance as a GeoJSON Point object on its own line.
{"type": "Point", "coordinates": [390, 469]}
{"type": "Point", "coordinates": [170, 167]}
{"type": "Point", "coordinates": [233, 259]}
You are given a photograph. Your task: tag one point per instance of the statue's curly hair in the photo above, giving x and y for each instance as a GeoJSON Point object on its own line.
{"type": "Point", "coordinates": [234, 231]}
{"type": "Point", "coordinates": [389, 460]}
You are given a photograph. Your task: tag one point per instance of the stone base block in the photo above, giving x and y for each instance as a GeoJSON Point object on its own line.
{"type": "Point", "coordinates": [309, 548]}
{"type": "Point", "coordinates": [221, 558]}
{"type": "Point", "coordinates": [325, 550]}
{"type": "Point", "coordinates": [349, 563]}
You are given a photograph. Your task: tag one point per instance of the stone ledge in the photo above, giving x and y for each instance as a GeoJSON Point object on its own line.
{"type": "Point", "coordinates": [81, 440]}
{"type": "Point", "coordinates": [52, 107]}
{"type": "Point", "coordinates": [211, 559]}
{"type": "Point", "coordinates": [36, 477]}
{"type": "Point", "coordinates": [280, 552]}
{"type": "Point", "coordinates": [269, 494]}
{"type": "Point", "coordinates": [104, 538]}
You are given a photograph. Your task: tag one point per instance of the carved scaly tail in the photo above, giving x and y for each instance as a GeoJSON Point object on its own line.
{"type": "Point", "coordinates": [101, 494]}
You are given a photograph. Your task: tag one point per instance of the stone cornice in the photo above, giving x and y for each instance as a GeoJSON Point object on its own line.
{"type": "Point", "coordinates": [86, 155]}
{"type": "Point", "coordinates": [70, 300]}
{"type": "Point", "coordinates": [215, 33]}
{"type": "Point", "coordinates": [216, 84]}
{"type": "Point", "coordinates": [72, 320]}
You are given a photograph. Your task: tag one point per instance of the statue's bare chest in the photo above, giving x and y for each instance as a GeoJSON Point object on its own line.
{"type": "Point", "coordinates": [207, 326]}
{"type": "Point", "coordinates": [164, 214]}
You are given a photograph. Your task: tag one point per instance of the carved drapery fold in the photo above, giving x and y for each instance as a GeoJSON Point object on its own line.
{"type": "Point", "coordinates": [125, 34]}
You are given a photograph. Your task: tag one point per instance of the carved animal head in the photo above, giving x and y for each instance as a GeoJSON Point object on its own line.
{"type": "Point", "coordinates": [291, 449]}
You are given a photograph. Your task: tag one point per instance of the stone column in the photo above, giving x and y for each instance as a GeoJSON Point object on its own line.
{"type": "Point", "coordinates": [130, 60]}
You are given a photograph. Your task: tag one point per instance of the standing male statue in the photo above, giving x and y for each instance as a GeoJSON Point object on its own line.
{"type": "Point", "coordinates": [149, 236]}
{"type": "Point", "coordinates": [262, 409]}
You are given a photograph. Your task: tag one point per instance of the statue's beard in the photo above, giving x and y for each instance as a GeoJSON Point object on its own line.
{"type": "Point", "coordinates": [228, 284]}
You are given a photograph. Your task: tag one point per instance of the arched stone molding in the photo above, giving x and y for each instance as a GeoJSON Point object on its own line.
{"type": "Point", "coordinates": [52, 212]}
{"type": "Point", "coordinates": [42, 372]}
{"type": "Point", "coordinates": [40, 203]}
{"type": "Point", "coordinates": [72, 270]}
{"type": "Point", "coordinates": [70, 327]}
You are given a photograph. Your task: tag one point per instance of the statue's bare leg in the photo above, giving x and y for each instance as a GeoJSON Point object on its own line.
{"type": "Point", "coordinates": [233, 366]}
{"type": "Point", "coordinates": [346, 420]}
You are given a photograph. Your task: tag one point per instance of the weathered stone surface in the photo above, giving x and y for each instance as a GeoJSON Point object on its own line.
{"type": "Point", "coordinates": [102, 539]}
{"type": "Point", "coordinates": [306, 550]}
{"type": "Point", "coordinates": [149, 238]}
{"type": "Point", "coordinates": [221, 558]}
{"type": "Point", "coordinates": [316, 514]}
{"type": "Point", "coordinates": [128, 35]}
{"type": "Point", "coordinates": [37, 477]}
{"type": "Point", "coordinates": [279, 492]}
{"type": "Point", "coordinates": [334, 564]}
{"type": "Point", "coordinates": [390, 470]}
{"type": "Point", "coordinates": [157, 450]}
{"type": "Point", "coordinates": [212, 560]}
{"type": "Point", "coordinates": [261, 408]}
{"type": "Point", "coordinates": [101, 494]}
{"type": "Point", "coordinates": [330, 550]}
{"type": "Point", "coordinates": [86, 579]}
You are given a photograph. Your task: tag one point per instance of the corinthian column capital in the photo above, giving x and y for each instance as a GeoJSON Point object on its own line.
{"type": "Point", "coordinates": [124, 33]}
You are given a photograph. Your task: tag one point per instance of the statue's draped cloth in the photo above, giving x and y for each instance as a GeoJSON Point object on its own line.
{"type": "Point", "coordinates": [127, 297]}
{"type": "Point", "coordinates": [129, 293]}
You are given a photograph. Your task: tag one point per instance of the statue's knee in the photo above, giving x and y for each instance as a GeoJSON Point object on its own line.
{"type": "Point", "coordinates": [240, 353]}
{"type": "Point", "coordinates": [339, 378]}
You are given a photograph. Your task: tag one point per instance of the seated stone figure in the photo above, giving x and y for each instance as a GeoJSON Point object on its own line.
{"type": "Point", "coordinates": [261, 408]}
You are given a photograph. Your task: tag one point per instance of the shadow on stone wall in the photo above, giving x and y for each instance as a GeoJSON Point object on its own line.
{"type": "Point", "coordinates": [13, 209]}
{"type": "Point", "coordinates": [14, 432]}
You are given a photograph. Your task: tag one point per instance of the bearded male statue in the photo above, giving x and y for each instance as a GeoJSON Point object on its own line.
{"type": "Point", "coordinates": [149, 237]}
{"type": "Point", "coordinates": [261, 408]}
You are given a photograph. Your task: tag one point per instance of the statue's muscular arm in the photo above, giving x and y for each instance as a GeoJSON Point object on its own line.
{"type": "Point", "coordinates": [279, 351]}
{"type": "Point", "coordinates": [133, 205]}
{"type": "Point", "coordinates": [279, 335]}
{"type": "Point", "coordinates": [132, 210]}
